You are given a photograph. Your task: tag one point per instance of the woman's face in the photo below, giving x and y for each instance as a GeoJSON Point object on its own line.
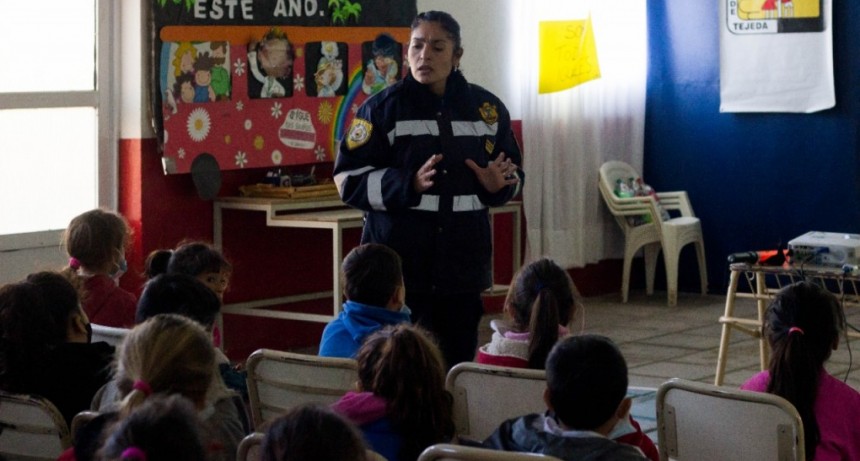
{"type": "Point", "coordinates": [432, 55]}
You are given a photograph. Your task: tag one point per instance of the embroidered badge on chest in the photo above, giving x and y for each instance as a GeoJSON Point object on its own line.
{"type": "Point", "coordinates": [359, 133]}
{"type": "Point", "coordinates": [489, 113]}
{"type": "Point", "coordinates": [488, 146]}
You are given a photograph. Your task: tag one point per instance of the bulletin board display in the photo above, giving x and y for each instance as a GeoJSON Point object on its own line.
{"type": "Point", "coordinates": [259, 93]}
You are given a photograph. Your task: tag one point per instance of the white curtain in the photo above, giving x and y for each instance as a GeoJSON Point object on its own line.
{"type": "Point", "coordinates": [569, 134]}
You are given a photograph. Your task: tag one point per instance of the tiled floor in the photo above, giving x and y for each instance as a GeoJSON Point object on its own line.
{"type": "Point", "coordinates": [662, 342]}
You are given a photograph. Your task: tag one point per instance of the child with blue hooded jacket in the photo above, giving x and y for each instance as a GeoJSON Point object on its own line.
{"type": "Point", "coordinates": [375, 297]}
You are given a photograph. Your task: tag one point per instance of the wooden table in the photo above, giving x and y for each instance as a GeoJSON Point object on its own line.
{"type": "Point", "coordinates": [332, 215]}
{"type": "Point", "coordinates": [762, 283]}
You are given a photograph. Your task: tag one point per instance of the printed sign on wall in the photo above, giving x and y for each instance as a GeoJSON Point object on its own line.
{"type": "Point", "coordinates": [269, 82]}
{"type": "Point", "coordinates": [776, 56]}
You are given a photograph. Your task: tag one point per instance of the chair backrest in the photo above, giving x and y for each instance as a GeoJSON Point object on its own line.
{"type": "Point", "coordinates": [448, 452]}
{"type": "Point", "coordinates": [80, 420]}
{"type": "Point", "coordinates": [31, 428]}
{"type": "Point", "coordinates": [110, 335]}
{"type": "Point", "coordinates": [486, 395]}
{"type": "Point", "coordinates": [702, 422]}
{"type": "Point", "coordinates": [279, 380]}
{"type": "Point", "coordinates": [249, 447]}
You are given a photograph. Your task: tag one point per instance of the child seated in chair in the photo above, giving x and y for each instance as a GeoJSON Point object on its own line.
{"type": "Point", "coordinates": [375, 297]}
{"type": "Point", "coordinates": [803, 325]}
{"type": "Point", "coordinates": [586, 391]}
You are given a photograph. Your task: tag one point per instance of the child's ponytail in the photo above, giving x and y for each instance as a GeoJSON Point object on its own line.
{"type": "Point", "coordinates": [802, 324]}
{"type": "Point", "coordinates": [543, 327]}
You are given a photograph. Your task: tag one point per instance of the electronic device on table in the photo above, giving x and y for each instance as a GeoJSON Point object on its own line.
{"type": "Point", "coordinates": [830, 249]}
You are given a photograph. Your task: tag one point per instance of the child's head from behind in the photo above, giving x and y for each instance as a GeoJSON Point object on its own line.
{"type": "Point", "coordinates": [541, 298]}
{"type": "Point", "coordinates": [97, 240]}
{"type": "Point", "coordinates": [401, 364]}
{"type": "Point", "coordinates": [163, 428]}
{"type": "Point", "coordinates": [178, 294]}
{"type": "Point", "coordinates": [312, 432]}
{"type": "Point", "coordinates": [804, 313]}
{"type": "Point", "coordinates": [372, 275]}
{"type": "Point", "coordinates": [23, 341]}
{"type": "Point", "coordinates": [165, 354]}
{"type": "Point", "coordinates": [66, 319]}
{"type": "Point", "coordinates": [586, 379]}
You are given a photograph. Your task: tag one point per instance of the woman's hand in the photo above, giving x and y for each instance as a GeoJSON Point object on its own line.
{"type": "Point", "coordinates": [424, 177]}
{"type": "Point", "coordinates": [499, 173]}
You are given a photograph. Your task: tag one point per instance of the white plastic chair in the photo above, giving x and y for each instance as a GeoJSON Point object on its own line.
{"type": "Point", "coordinates": [703, 422]}
{"type": "Point", "coordinates": [485, 396]}
{"type": "Point", "coordinates": [671, 235]}
{"type": "Point", "coordinates": [249, 447]}
{"type": "Point", "coordinates": [279, 380]}
{"type": "Point", "coordinates": [31, 428]}
{"type": "Point", "coordinates": [448, 452]}
{"type": "Point", "coordinates": [110, 335]}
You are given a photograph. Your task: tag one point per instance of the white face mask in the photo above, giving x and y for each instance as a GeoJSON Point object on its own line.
{"type": "Point", "coordinates": [622, 428]}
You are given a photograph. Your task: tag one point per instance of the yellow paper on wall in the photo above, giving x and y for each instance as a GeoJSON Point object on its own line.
{"type": "Point", "coordinates": [568, 54]}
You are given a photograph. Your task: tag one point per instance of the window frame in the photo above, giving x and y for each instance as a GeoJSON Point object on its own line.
{"type": "Point", "coordinates": [103, 98]}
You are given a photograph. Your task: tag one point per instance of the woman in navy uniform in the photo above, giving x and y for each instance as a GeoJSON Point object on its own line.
{"type": "Point", "coordinates": [425, 158]}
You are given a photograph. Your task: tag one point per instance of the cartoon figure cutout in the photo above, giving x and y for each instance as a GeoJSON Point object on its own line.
{"type": "Point", "coordinates": [271, 64]}
{"type": "Point", "coordinates": [384, 60]}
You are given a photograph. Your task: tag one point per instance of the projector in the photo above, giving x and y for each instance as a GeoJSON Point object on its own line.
{"type": "Point", "coordinates": [830, 249]}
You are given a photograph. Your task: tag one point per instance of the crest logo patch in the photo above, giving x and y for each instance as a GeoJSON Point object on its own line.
{"type": "Point", "coordinates": [489, 113]}
{"type": "Point", "coordinates": [359, 133]}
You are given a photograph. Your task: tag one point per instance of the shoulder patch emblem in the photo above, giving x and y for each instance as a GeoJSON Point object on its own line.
{"type": "Point", "coordinates": [489, 113]}
{"type": "Point", "coordinates": [359, 133]}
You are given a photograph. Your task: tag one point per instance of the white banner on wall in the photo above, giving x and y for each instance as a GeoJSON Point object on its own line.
{"type": "Point", "coordinates": [776, 56]}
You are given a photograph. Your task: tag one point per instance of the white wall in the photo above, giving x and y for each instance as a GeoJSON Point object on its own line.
{"type": "Point", "coordinates": [488, 44]}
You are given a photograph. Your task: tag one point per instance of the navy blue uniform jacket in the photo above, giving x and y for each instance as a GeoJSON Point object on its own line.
{"type": "Point", "coordinates": [442, 235]}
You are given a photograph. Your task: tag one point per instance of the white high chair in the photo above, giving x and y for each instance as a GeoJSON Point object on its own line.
{"type": "Point", "coordinates": [671, 235]}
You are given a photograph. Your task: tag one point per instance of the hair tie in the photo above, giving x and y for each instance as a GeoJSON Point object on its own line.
{"type": "Point", "coordinates": [74, 263]}
{"type": "Point", "coordinates": [795, 330]}
{"type": "Point", "coordinates": [133, 453]}
{"type": "Point", "coordinates": [142, 386]}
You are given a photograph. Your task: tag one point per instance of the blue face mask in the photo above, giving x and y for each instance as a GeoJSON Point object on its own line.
{"type": "Point", "coordinates": [406, 310]}
{"type": "Point", "coordinates": [121, 267]}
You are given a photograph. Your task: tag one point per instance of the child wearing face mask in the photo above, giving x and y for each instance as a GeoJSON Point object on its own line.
{"type": "Point", "coordinates": [375, 297]}
{"type": "Point", "coordinates": [95, 242]}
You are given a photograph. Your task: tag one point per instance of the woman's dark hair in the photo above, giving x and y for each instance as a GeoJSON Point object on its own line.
{"type": "Point", "coordinates": [802, 324]}
{"type": "Point", "coordinates": [448, 23]}
{"type": "Point", "coordinates": [178, 294]}
{"type": "Point", "coordinates": [62, 301]}
{"type": "Point", "coordinates": [401, 364]}
{"type": "Point", "coordinates": [162, 428]}
{"type": "Point", "coordinates": [190, 258]}
{"type": "Point", "coordinates": [312, 432]}
{"type": "Point", "coordinates": [371, 274]}
{"type": "Point", "coordinates": [541, 297]}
